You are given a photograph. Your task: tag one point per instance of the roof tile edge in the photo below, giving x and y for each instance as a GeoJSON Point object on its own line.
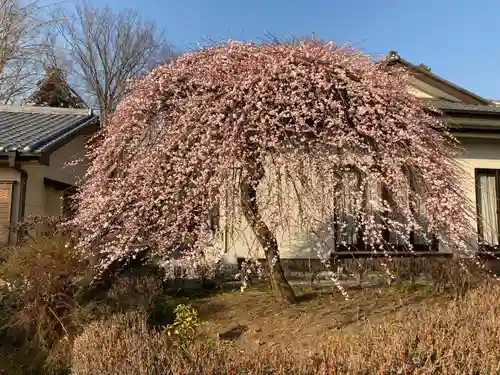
{"type": "Point", "coordinates": [45, 110]}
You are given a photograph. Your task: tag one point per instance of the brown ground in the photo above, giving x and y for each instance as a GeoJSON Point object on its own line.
{"type": "Point", "coordinates": [252, 318]}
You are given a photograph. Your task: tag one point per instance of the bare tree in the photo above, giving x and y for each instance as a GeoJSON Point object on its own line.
{"type": "Point", "coordinates": [21, 48]}
{"type": "Point", "coordinates": [108, 49]}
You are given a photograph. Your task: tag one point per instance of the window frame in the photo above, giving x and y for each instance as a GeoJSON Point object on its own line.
{"type": "Point", "coordinates": [390, 247]}
{"type": "Point", "coordinates": [477, 172]}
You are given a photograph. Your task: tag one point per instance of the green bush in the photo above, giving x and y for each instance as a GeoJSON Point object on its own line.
{"type": "Point", "coordinates": [183, 329]}
{"type": "Point", "coordinates": [161, 311]}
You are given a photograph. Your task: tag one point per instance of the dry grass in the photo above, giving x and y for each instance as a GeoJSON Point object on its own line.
{"type": "Point", "coordinates": [124, 345]}
{"type": "Point", "coordinates": [459, 337]}
{"type": "Point", "coordinates": [449, 337]}
{"type": "Point", "coordinates": [261, 322]}
{"type": "Point", "coordinates": [254, 320]}
{"type": "Point", "coordinates": [43, 275]}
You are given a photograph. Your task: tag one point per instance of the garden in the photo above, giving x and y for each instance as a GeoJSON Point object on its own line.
{"type": "Point", "coordinates": [262, 139]}
{"type": "Point", "coordinates": [434, 318]}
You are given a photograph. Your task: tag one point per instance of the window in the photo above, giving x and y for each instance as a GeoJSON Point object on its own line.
{"type": "Point", "coordinates": [351, 237]}
{"type": "Point", "coordinates": [487, 198]}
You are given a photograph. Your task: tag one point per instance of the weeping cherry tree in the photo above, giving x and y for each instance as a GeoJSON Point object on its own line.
{"type": "Point", "coordinates": [284, 135]}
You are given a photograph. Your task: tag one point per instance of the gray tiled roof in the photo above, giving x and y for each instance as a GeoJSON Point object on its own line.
{"type": "Point", "coordinates": [29, 129]}
{"type": "Point", "coordinates": [453, 107]}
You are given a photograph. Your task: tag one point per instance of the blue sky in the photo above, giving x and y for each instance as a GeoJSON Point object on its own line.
{"type": "Point", "coordinates": [458, 39]}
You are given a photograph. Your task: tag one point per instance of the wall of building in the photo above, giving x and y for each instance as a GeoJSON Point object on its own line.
{"type": "Point", "coordinates": [8, 174]}
{"type": "Point", "coordinates": [62, 166]}
{"type": "Point", "coordinates": [294, 239]}
{"type": "Point", "coordinates": [35, 189]}
{"type": "Point", "coordinates": [53, 201]}
{"type": "Point", "coordinates": [295, 243]}
{"type": "Point", "coordinates": [46, 200]}
{"type": "Point", "coordinates": [42, 199]}
{"type": "Point", "coordinates": [481, 153]}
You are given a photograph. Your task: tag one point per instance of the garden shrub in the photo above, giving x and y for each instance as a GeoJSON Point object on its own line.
{"type": "Point", "coordinates": [47, 297]}
{"type": "Point", "coordinates": [42, 308]}
{"type": "Point", "coordinates": [44, 275]}
{"type": "Point", "coordinates": [123, 344]}
{"type": "Point", "coordinates": [183, 329]}
{"type": "Point", "coordinates": [439, 274]}
{"type": "Point", "coordinates": [461, 337]}
{"type": "Point", "coordinates": [142, 292]}
{"type": "Point", "coordinates": [161, 311]}
{"type": "Point", "coordinates": [132, 292]}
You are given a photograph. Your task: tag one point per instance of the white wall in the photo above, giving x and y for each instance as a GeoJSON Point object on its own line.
{"type": "Point", "coordinates": [58, 168]}
{"type": "Point", "coordinates": [293, 243]}
{"type": "Point", "coordinates": [45, 200]}
{"type": "Point", "coordinates": [481, 153]}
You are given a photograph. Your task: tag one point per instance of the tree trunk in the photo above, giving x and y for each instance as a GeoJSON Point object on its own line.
{"type": "Point", "coordinates": [281, 288]}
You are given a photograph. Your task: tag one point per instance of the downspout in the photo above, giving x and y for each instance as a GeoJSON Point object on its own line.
{"type": "Point", "coordinates": [22, 189]}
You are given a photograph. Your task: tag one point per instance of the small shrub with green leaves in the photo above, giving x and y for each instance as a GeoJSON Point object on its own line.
{"type": "Point", "coordinates": [185, 324]}
{"type": "Point", "coordinates": [161, 311]}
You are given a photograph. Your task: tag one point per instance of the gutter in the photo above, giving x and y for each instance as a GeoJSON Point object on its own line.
{"type": "Point", "coordinates": [474, 124]}
{"type": "Point", "coordinates": [470, 112]}
{"type": "Point", "coordinates": [41, 158]}
{"type": "Point", "coordinates": [13, 158]}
